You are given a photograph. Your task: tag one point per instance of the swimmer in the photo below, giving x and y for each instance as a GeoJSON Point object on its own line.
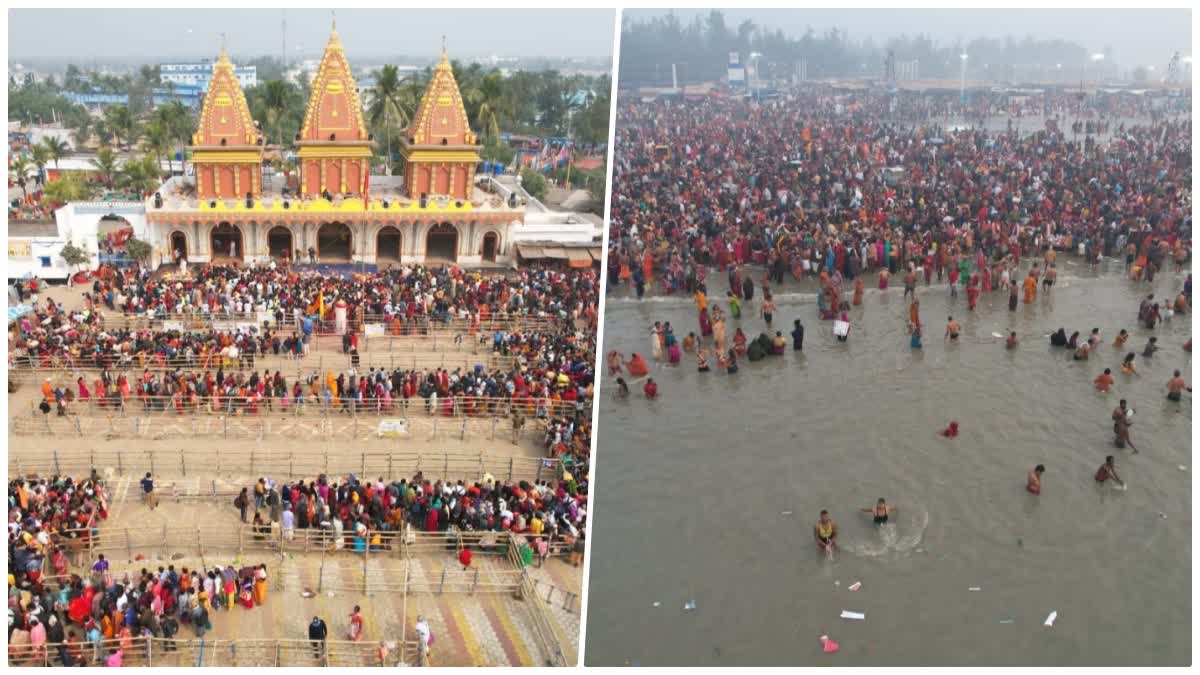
{"type": "Point", "coordinates": [1081, 352]}
{"type": "Point", "coordinates": [1104, 381]}
{"type": "Point", "coordinates": [1176, 386]}
{"type": "Point", "coordinates": [1011, 342]}
{"type": "Point", "coordinates": [1033, 482]}
{"type": "Point", "coordinates": [1119, 341]}
{"type": "Point", "coordinates": [952, 328]}
{"type": "Point", "coordinates": [880, 511]}
{"type": "Point", "coordinates": [1108, 470]}
{"type": "Point", "coordinates": [622, 388]}
{"type": "Point", "coordinates": [825, 532]}
{"type": "Point", "coordinates": [650, 389]}
{"type": "Point", "coordinates": [1127, 365]}
{"type": "Point", "coordinates": [1094, 338]}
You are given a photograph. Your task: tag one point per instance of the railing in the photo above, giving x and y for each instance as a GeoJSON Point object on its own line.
{"type": "Point", "coordinates": [283, 464]}
{"type": "Point", "coordinates": [153, 651]}
{"type": "Point", "coordinates": [243, 407]}
{"type": "Point", "coordinates": [359, 428]}
{"type": "Point", "coordinates": [320, 362]}
{"type": "Point", "coordinates": [420, 324]}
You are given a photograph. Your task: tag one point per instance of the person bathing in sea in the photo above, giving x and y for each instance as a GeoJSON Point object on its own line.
{"type": "Point", "coordinates": [702, 361]}
{"type": "Point", "coordinates": [952, 329]}
{"type": "Point", "coordinates": [880, 511]}
{"type": "Point", "coordinates": [1176, 387]}
{"type": "Point", "coordinates": [1011, 342]}
{"type": "Point", "coordinates": [1108, 470]}
{"type": "Point", "coordinates": [1033, 481]}
{"type": "Point", "coordinates": [1104, 381]}
{"type": "Point", "coordinates": [637, 365]}
{"type": "Point", "coordinates": [1119, 341]}
{"type": "Point", "coordinates": [825, 532]}
{"type": "Point", "coordinates": [650, 389]}
{"type": "Point", "coordinates": [622, 388]}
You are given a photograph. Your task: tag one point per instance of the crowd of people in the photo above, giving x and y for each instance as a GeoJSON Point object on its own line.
{"type": "Point", "coordinates": [361, 513]}
{"type": "Point", "coordinates": [838, 188]}
{"type": "Point", "coordinates": [839, 185]}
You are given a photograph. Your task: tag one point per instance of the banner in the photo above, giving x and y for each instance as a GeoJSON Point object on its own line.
{"type": "Point", "coordinates": [393, 427]}
{"type": "Point", "coordinates": [172, 325]}
{"type": "Point", "coordinates": [264, 317]}
{"type": "Point", "coordinates": [20, 249]}
{"type": "Point", "coordinates": [374, 329]}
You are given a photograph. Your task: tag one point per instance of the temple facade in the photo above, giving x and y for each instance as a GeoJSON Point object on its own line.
{"type": "Point", "coordinates": [238, 210]}
{"type": "Point", "coordinates": [227, 148]}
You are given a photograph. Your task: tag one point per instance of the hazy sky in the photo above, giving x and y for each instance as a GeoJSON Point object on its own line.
{"type": "Point", "coordinates": [1137, 36]}
{"type": "Point", "coordinates": [129, 34]}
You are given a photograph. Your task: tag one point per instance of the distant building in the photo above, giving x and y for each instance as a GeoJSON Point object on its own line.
{"type": "Point", "coordinates": [197, 74]}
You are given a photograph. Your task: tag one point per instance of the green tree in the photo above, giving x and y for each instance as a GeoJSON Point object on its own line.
{"type": "Point", "coordinates": [385, 109]}
{"type": "Point", "coordinates": [19, 170]}
{"type": "Point", "coordinates": [156, 142]}
{"type": "Point", "coordinates": [276, 101]}
{"type": "Point", "coordinates": [121, 123]}
{"type": "Point", "coordinates": [75, 255]}
{"type": "Point", "coordinates": [534, 183]}
{"type": "Point", "coordinates": [82, 133]}
{"type": "Point", "coordinates": [40, 155]}
{"type": "Point", "coordinates": [138, 249]}
{"type": "Point", "coordinates": [141, 175]}
{"type": "Point", "coordinates": [67, 188]}
{"type": "Point", "coordinates": [106, 165]}
{"type": "Point", "coordinates": [56, 148]}
{"type": "Point", "coordinates": [178, 122]}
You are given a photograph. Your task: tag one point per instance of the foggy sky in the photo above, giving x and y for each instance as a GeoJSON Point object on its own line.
{"type": "Point", "coordinates": [1137, 36]}
{"type": "Point", "coordinates": [127, 34]}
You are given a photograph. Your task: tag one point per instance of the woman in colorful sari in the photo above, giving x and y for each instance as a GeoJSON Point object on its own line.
{"type": "Point", "coordinates": [739, 341]}
{"type": "Point", "coordinates": [260, 585]}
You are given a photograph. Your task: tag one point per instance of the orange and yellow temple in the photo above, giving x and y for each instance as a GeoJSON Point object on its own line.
{"type": "Point", "coordinates": [237, 207]}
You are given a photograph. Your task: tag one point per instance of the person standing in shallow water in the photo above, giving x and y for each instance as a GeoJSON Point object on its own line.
{"type": "Point", "coordinates": [798, 336]}
{"type": "Point", "coordinates": [1012, 296]}
{"type": "Point", "coordinates": [825, 533]}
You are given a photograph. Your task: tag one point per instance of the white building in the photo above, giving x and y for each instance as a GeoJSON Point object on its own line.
{"type": "Point", "coordinates": [197, 74]}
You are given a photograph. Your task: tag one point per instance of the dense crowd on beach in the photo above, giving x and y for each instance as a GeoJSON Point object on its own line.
{"type": "Point", "coordinates": [819, 183]}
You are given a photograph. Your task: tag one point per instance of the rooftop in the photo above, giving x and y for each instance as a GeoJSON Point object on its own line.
{"type": "Point", "coordinates": [179, 196]}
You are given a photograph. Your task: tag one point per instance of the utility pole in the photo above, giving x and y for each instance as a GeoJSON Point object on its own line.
{"type": "Point", "coordinates": [285, 41]}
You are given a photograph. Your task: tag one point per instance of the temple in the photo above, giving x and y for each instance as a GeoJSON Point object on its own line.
{"type": "Point", "coordinates": [334, 147]}
{"type": "Point", "coordinates": [237, 210]}
{"type": "Point", "coordinates": [439, 150]}
{"type": "Point", "coordinates": [227, 148]}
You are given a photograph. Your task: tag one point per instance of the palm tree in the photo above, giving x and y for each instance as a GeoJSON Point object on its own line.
{"type": "Point", "coordinates": [177, 120]}
{"type": "Point", "coordinates": [384, 108]}
{"type": "Point", "coordinates": [492, 103]}
{"type": "Point", "coordinates": [276, 100]}
{"type": "Point", "coordinates": [140, 175]}
{"type": "Point", "coordinates": [83, 132]}
{"type": "Point", "coordinates": [40, 156]}
{"type": "Point", "coordinates": [56, 148]}
{"type": "Point", "coordinates": [156, 142]}
{"type": "Point", "coordinates": [121, 123]}
{"type": "Point", "coordinates": [106, 165]}
{"type": "Point", "coordinates": [101, 131]}
{"type": "Point", "coordinates": [20, 171]}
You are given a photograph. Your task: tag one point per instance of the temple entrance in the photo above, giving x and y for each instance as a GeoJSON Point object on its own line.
{"type": "Point", "coordinates": [334, 242]}
{"type": "Point", "coordinates": [489, 246]}
{"type": "Point", "coordinates": [226, 242]}
{"type": "Point", "coordinates": [178, 246]}
{"type": "Point", "coordinates": [387, 244]}
{"type": "Point", "coordinates": [279, 242]}
{"type": "Point", "coordinates": [441, 243]}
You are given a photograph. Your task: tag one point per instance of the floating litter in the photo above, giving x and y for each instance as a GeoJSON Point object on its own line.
{"type": "Point", "coordinates": [837, 583]}
{"type": "Point", "coordinates": [975, 588]}
{"type": "Point", "coordinates": [657, 604]}
{"type": "Point", "coordinates": [1182, 467]}
{"type": "Point", "coordinates": [997, 335]}
{"type": "Point", "coordinates": [785, 513]}
{"type": "Point", "coordinates": [829, 645]}
{"type": "Point", "coordinates": [1162, 515]}
{"type": "Point", "coordinates": [857, 616]}
{"type": "Point", "coordinates": [1050, 619]}
{"type": "Point", "coordinates": [689, 605]}
{"type": "Point", "coordinates": [1006, 621]}
{"type": "Point", "coordinates": [855, 586]}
